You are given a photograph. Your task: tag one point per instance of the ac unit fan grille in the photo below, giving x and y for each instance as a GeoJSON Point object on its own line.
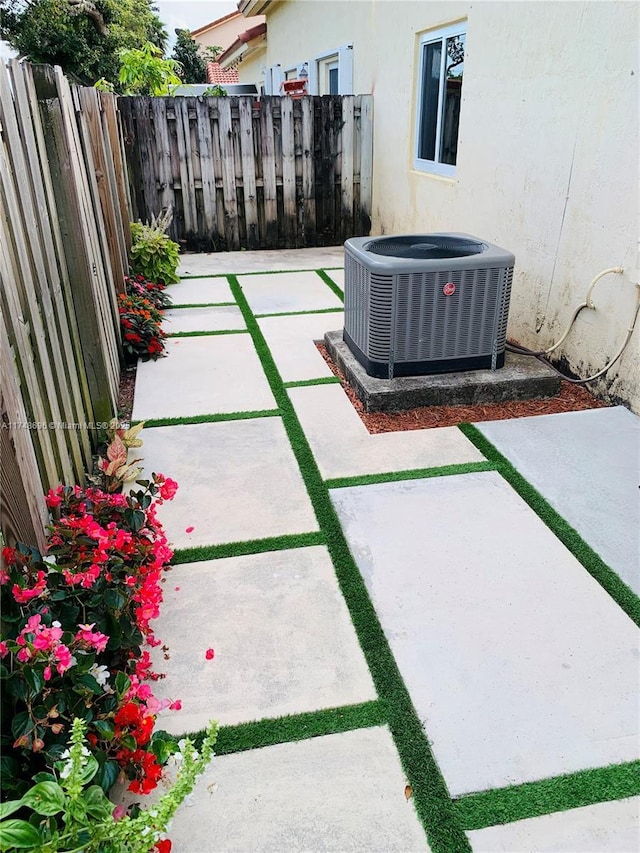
{"type": "Point", "coordinates": [417, 247]}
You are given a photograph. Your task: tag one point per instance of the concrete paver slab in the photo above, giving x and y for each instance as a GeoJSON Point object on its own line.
{"type": "Point", "coordinates": [218, 319]}
{"type": "Point", "coordinates": [292, 343]}
{"type": "Point", "coordinates": [239, 480]}
{"type": "Point", "coordinates": [612, 827]}
{"type": "Point", "coordinates": [343, 447]}
{"type": "Point", "coordinates": [258, 261]}
{"type": "Point", "coordinates": [283, 639]}
{"type": "Point", "coordinates": [341, 792]}
{"type": "Point", "coordinates": [200, 291]}
{"type": "Point", "coordinates": [287, 291]}
{"type": "Point", "coordinates": [202, 376]}
{"type": "Point", "coordinates": [518, 663]}
{"type": "Point", "coordinates": [587, 465]}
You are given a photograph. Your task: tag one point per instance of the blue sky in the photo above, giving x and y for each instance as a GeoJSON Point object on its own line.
{"type": "Point", "coordinates": [192, 14]}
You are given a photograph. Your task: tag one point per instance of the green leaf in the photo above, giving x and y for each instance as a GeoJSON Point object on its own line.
{"type": "Point", "coordinates": [129, 742]}
{"type": "Point", "coordinates": [34, 679]}
{"type": "Point", "coordinates": [20, 834]}
{"type": "Point", "coordinates": [104, 728]}
{"type": "Point", "coordinates": [123, 683]}
{"type": "Point", "coordinates": [113, 599]}
{"type": "Point", "coordinates": [107, 776]}
{"type": "Point", "coordinates": [90, 683]}
{"type": "Point", "coordinates": [9, 807]}
{"type": "Point", "coordinates": [90, 769]}
{"type": "Point", "coordinates": [97, 805]}
{"type": "Point", "coordinates": [46, 798]}
{"type": "Point", "coordinates": [21, 724]}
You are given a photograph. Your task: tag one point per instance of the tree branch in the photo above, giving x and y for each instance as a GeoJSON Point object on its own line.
{"type": "Point", "coordinates": [86, 7]}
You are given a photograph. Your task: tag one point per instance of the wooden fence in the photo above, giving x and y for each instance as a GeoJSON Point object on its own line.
{"type": "Point", "coordinates": [243, 173]}
{"type": "Point", "coordinates": [63, 256]}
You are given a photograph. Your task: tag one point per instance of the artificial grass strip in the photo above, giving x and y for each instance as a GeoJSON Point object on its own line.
{"type": "Point", "coordinates": [532, 799]}
{"type": "Point", "coordinates": [202, 305]}
{"type": "Point", "coordinates": [296, 727]}
{"type": "Point", "coordinates": [251, 546]}
{"type": "Point", "coordinates": [212, 419]}
{"type": "Point", "coordinates": [304, 383]}
{"type": "Point", "coordinates": [430, 795]}
{"type": "Point", "coordinates": [299, 313]}
{"type": "Point", "coordinates": [331, 283]}
{"type": "Point", "coordinates": [412, 474]}
{"type": "Point", "coordinates": [206, 334]}
{"type": "Point", "coordinates": [570, 538]}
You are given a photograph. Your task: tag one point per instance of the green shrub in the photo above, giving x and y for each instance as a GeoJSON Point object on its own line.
{"type": "Point", "coordinates": [153, 254]}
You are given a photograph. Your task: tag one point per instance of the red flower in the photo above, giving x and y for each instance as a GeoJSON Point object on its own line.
{"type": "Point", "coordinates": [163, 846]}
{"type": "Point", "coordinates": [209, 654]}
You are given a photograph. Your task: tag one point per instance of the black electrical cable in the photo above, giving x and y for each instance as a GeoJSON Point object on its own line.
{"type": "Point", "coordinates": [539, 354]}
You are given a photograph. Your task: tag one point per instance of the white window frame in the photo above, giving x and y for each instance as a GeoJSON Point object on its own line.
{"type": "Point", "coordinates": [441, 35]}
{"type": "Point", "coordinates": [319, 64]}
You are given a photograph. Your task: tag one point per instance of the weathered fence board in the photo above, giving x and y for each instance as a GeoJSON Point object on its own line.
{"type": "Point", "coordinates": [63, 257]}
{"type": "Point", "coordinates": [243, 173]}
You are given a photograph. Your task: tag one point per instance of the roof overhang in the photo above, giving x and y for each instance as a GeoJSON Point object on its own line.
{"type": "Point", "coordinates": [246, 44]}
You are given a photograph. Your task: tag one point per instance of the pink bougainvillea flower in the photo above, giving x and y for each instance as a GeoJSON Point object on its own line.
{"type": "Point", "coordinates": [209, 654]}
{"type": "Point", "coordinates": [47, 673]}
{"type": "Point", "coordinates": [176, 706]}
{"type": "Point", "coordinates": [189, 530]}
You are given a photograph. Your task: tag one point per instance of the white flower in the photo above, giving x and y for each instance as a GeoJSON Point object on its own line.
{"type": "Point", "coordinates": [56, 624]}
{"type": "Point", "coordinates": [101, 674]}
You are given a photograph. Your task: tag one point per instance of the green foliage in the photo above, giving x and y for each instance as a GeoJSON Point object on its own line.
{"type": "Point", "coordinates": [215, 92]}
{"type": "Point", "coordinates": [187, 53]}
{"type": "Point", "coordinates": [83, 38]}
{"type": "Point", "coordinates": [141, 322]}
{"type": "Point", "coordinates": [153, 254]}
{"type": "Point", "coordinates": [70, 814]}
{"type": "Point", "coordinates": [143, 71]}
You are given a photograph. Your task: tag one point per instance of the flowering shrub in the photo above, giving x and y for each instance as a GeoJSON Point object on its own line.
{"type": "Point", "coordinates": [142, 334]}
{"type": "Point", "coordinates": [69, 814]}
{"type": "Point", "coordinates": [73, 626]}
{"type": "Point", "coordinates": [154, 292]}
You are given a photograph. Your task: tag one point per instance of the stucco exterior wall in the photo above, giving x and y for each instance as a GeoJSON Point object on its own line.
{"type": "Point", "coordinates": [250, 69]}
{"type": "Point", "coordinates": [547, 158]}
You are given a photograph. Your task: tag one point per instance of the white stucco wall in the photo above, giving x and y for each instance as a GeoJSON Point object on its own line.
{"type": "Point", "coordinates": [547, 158]}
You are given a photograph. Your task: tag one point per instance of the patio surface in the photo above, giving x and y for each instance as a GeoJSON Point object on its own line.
{"type": "Point", "coordinates": [423, 640]}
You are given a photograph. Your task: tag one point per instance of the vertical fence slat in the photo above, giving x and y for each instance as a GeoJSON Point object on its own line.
{"type": "Point", "coordinates": [249, 173]}
{"type": "Point", "coordinates": [183, 133]}
{"type": "Point", "coordinates": [346, 176]}
{"type": "Point", "coordinates": [228, 176]}
{"type": "Point", "coordinates": [206, 168]}
{"type": "Point", "coordinates": [308, 187]}
{"type": "Point", "coordinates": [269, 174]}
{"type": "Point", "coordinates": [288, 171]}
{"type": "Point", "coordinates": [22, 508]}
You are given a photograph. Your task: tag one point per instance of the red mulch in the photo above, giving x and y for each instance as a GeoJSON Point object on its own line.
{"type": "Point", "coordinates": [572, 398]}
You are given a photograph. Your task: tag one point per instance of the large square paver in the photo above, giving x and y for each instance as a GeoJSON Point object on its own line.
{"type": "Point", "coordinates": [292, 343]}
{"type": "Point", "coordinates": [587, 465]}
{"type": "Point", "coordinates": [341, 792]}
{"type": "Point", "coordinates": [240, 481]}
{"type": "Point", "coordinates": [287, 291]}
{"type": "Point", "coordinates": [336, 276]}
{"type": "Point", "coordinates": [519, 664]}
{"type": "Point", "coordinates": [343, 447]}
{"type": "Point", "coordinates": [612, 827]}
{"type": "Point", "coordinates": [205, 375]}
{"type": "Point", "coordinates": [200, 291]}
{"type": "Point", "coordinates": [262, 260]}
{"type": "Point", "coordinates": [221, 318]}
{"type": "Point", "coordinates": [283, 639]}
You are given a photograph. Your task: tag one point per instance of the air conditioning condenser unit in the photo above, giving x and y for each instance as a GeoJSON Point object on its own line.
{"type": "Point", "coordinates": [426, 303]}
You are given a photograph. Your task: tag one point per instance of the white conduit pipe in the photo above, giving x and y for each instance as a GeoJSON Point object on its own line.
{"type": "Point", "coordinates": [588, 303]}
